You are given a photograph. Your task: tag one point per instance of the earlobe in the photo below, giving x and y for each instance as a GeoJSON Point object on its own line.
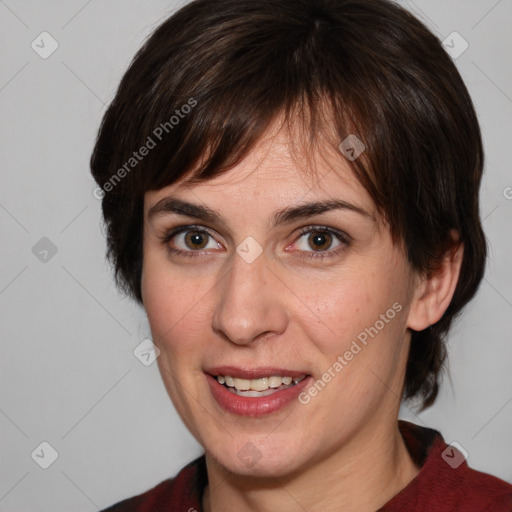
{"type": "Point", "coordinates": [434, 292]}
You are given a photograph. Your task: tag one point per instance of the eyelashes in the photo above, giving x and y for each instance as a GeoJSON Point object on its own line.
{"type": "Point", "coordinates": [319, 237]}
{"type": "Point", "coordinates": [171, 234]}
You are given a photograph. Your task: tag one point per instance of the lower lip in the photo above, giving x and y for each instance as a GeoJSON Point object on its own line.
{"type": "Point", "coordinates": [255, 406]}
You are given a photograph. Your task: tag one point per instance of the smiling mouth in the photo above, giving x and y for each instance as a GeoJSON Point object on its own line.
{"type": "Point", "coordinates": [258, 387]}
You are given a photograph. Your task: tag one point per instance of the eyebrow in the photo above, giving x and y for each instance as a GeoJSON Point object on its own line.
{"type": "Point", "coordinates": [285, 216]}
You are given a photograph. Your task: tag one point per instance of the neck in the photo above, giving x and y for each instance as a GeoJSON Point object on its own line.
{"type": "Point", "coordinates": [360, 476]}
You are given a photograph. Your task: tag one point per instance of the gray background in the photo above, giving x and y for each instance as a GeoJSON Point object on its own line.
{"type": "Point", "coordinates": [69, 375]}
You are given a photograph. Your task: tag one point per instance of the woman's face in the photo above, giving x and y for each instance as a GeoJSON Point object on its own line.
{"type": "Point", "coordinates": [254, 285]}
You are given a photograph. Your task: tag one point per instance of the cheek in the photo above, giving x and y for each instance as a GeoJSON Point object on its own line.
{"type": "Point", "coordinates": [362, 347]}
{"type": "Point", "coordinates": [361, 338]}
{"type": "Point", "coordinates": [168, 300]}
{"type": "Point", "coordinates": [349, 304]}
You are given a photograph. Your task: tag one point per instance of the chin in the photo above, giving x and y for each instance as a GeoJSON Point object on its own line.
{"type": "Point", "coordinates": [247, 458]}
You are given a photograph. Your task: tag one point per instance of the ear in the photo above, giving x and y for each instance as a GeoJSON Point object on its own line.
{"type": "Point", "coordinates": [433, 292]}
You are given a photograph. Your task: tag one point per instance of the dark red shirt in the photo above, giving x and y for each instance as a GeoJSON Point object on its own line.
{"type": "Point", "coordinates": [445, 483]}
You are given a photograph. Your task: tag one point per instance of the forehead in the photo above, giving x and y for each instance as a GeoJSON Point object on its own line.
{"type": "Point", "coordinates": [280, 169]}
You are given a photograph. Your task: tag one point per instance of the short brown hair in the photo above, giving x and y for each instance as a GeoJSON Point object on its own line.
{"type": "Point", "coordinates": [368, 66]}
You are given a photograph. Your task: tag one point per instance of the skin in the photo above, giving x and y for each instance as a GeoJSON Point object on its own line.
{"type": "Point", "coordinates": [343, 450]}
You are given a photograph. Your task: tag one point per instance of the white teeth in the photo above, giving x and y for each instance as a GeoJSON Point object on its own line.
{"type": "Point", "coordinates": [274, 382]}
{"type": "Point", "coordinates": [242, 384]}
{"type": "Point", "coordinates": [259, 384]}
{"type": "Point", "coordinates": [262, 384]}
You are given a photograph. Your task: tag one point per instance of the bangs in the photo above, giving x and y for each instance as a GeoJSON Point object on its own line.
{"type": "Point", "coordinates": [239, 105]}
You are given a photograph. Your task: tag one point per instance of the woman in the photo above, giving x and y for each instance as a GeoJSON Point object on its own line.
{"type": "Point", "coordinates": [290, 189]}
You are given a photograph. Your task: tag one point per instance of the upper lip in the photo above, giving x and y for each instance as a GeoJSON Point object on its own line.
{"type": "Point", "coordinates": [253, 373]}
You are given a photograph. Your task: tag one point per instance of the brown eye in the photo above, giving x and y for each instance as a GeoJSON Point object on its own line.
{"type": "Point", "coordinates": [320, 240]}
{"type": "Point", "coordinates": [196, 239]}
{"type": "Point", "coordinates": [186, 241]}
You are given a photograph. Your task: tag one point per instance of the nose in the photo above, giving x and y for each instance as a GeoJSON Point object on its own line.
{"type": "Point", "coordinates": [250, 303]}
